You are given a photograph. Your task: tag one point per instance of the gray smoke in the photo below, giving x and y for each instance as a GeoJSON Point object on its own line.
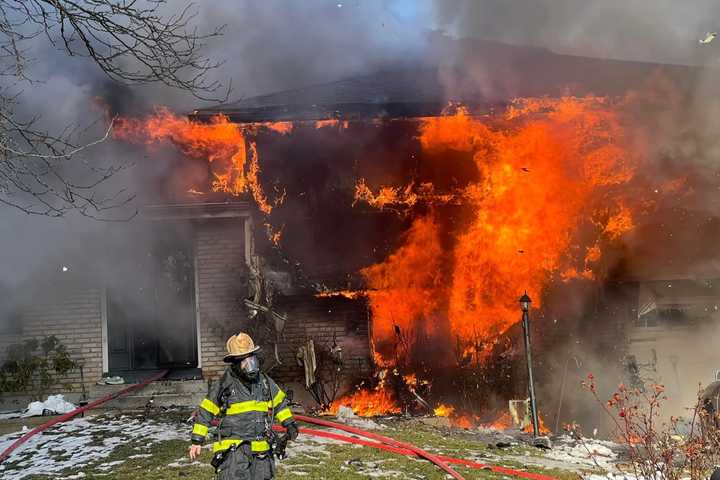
{"type": "Point", "coordinates": [662, 31]}
{"type": "Point", "coordinates": [267, 46]}
{"type": "Point", "coordinates": [274, 45]}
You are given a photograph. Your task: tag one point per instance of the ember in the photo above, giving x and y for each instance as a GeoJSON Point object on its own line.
{"type": "Point", "coordinates": [349, 294]}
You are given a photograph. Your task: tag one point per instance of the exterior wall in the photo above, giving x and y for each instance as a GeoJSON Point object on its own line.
{"type": "Point", "coordinates": [74, 316]}
{"type": "Point", "coordinates": [674, 335]}
{"type": "Point", "coordinates": [7, 339]}
{"type": "Point", "coordinates": [679, 357]}
{"type": "Point", "coordinates": [221, 284]}
{"type": "Point", "coordinates": [324, 320]}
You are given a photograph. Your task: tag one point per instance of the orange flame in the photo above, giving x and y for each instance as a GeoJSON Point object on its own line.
{"type": "Point", "coordinates": [405, 287]}
{"type": "Point", "coordinates": [368, 403]}
{"type": "Point", "coordinates": [225, 145]}
{"type": "Point", "coordinates": [505, 421]}
{"type": "Point", "coordinates": [349, 294]}
{"type": "Point", "coordinates": [403, 198]}
{"type": "Point", "coordinates": [333, 122]}
{"type": "Point", "coordinates": [444, 410]}
{"type": "Point", "coordinates": [539, 176]}
{"type": "Point", "coordinates": [463, 421]}
{"type": "Point", "coordinates": [459, 420]}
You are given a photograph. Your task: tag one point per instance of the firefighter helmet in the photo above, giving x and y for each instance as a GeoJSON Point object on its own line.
{"type": "Point", "coordinates": [239, 346]}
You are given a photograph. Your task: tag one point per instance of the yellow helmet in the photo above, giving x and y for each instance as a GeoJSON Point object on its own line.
{"type": "Point", "coordinates": [239, 346]}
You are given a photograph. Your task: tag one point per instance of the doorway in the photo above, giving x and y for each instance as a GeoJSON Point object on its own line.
{"type": "Point", "coordinates": [151, 316]}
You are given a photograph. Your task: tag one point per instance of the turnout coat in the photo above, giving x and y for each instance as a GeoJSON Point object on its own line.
{"type": "Point", "coordinates": [245, 409]}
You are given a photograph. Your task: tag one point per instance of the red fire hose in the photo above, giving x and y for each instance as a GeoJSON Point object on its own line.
{"type": "Point", "coordinates": [76, 412]}
{"type": "Point", "coordinates": [402, 451]}
{"type": "Point", "coordinates": [386, 440]}
{"type": "Point", "coordinates": [382, 442]}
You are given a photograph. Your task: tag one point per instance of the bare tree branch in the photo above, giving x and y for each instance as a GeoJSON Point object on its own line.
{"type": "Point", "coordinates": [132, 42]}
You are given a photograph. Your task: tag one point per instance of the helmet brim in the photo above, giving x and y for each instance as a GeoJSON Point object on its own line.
{"type": "Point", "coordinates": [231, 357]}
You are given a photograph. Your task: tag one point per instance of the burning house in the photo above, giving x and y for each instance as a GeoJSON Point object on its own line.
{"type": "Point", "coordinates": [394, 219]}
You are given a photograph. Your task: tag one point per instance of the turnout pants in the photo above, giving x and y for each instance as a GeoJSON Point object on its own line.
{"type": "Point", "coordinates": [241, 464]}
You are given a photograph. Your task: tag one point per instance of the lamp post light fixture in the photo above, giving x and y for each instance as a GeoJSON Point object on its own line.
{"type": "Point", "coordinates": [525, 302]}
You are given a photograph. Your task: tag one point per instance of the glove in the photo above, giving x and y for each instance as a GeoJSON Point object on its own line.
{"type": "Point", "coordinates": [292, 430]}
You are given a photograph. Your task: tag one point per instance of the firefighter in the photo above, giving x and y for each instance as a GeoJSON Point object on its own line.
{"type": "Point", "coordinates": [247, 403]}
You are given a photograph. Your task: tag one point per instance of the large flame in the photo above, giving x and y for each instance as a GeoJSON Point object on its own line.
{"type": "Point", "coordinates": [225, 145]}
{"type": "Point", "coordinates": [544, 169]}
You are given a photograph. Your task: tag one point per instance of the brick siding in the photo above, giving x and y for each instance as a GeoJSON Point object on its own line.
{"type": "Point", "coordinates": [221, 285]}
{"type": "Point", "coordinates": [74, 316]}
{"type": "Point", "coordinates": [324, 320]}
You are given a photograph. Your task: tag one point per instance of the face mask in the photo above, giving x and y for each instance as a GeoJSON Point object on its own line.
{"type": "Point", "coordinates": [248, 367]}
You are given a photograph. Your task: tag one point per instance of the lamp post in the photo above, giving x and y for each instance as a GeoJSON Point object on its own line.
{"type": "Point", "coordinates": [525, 307]}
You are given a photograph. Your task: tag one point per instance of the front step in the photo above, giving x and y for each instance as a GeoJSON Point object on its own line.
{"type": "Point", "coordinates": [188, 393]}
{"type": "Point", "coordinates": [135, 402]}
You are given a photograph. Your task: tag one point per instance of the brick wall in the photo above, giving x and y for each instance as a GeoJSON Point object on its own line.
{"type": "Point", "coordinates": [323, 319]}
{"type": "Point", "coordinates": [74, 316]}
{"type": "Point", "coordinates": [7, 339]}
{"type": "Point", "coordinates": [221, 285]}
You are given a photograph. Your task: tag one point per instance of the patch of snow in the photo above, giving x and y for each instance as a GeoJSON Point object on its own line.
{"type": "Point", "coordinates": [109, 465]}
{"type": "Point", "coordinates": [610, 476]}
{"type": "Point", "coordinates": [54, 403]}
{"type": "Point", "coordinates": [587, 453]}
{"type": "Point", "coordinates": [77, 475]}
{"type": "Point", "coordinates": [81, 442]}
{"type": "Point", "coordinates": [345, 413]}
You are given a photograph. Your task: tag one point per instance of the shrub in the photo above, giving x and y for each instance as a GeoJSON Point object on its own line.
{"type": "Point", "coordinates": [35, 365]}
{"type": "Point", "coordinates": [659, 449]}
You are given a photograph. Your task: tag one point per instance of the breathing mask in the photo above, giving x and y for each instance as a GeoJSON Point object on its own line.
{"type": "Point", "coordinates": [248, 367]}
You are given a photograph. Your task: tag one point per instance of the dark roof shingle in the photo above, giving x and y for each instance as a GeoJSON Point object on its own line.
{"type": "Point", "coordinates": [476, 73]}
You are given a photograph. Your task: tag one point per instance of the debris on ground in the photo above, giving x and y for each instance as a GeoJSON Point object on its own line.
{"type": "Point", "coordinates": [111, 381]}
{"type": "Point", "coordinates": [585, 452]}
{"type": "Point", "coordinates": [346, 415]}
{"type": "Point", "coordinates": [132, 447]}
{"type": "Point", "coordinates": [54, 405]}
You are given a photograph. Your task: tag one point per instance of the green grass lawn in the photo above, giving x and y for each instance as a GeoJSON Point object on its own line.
{"type": "Point", "coordinates": [316, 459]}
{"type": "Point", "coordinates": [335, 462]}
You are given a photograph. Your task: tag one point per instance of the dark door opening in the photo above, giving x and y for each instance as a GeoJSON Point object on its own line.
{"type": "Point", "coordinates": [151, 319]}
